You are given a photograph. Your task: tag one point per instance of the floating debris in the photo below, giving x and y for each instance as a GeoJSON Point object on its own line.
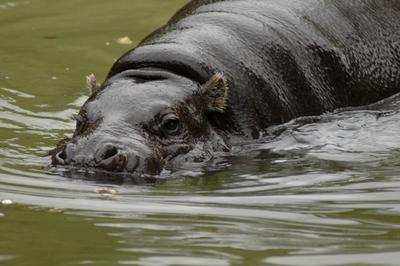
{"type": "Point", "coordinates": [56, 210]}
{"type": "Point", "coordinates": [6, 202]}
{"type": "Point", "coordinates": [105, 192]}
{"type": "Point", "coordinates": [53, 78]}
{"type": "Point", "coordinates": [108, 43]}
{"type": "Point", "coordinates": [124, 40]}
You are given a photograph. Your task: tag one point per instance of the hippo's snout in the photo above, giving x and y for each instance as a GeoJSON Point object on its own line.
{"type": "Point", "coordinates": [109, 157]}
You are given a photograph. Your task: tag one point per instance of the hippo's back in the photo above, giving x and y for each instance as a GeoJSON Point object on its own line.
{"type": "Point", "coordinates": [282, 58]}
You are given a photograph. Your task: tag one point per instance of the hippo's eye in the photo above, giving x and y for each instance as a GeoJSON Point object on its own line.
{"type": "Point", "coordinates": [170, 125]}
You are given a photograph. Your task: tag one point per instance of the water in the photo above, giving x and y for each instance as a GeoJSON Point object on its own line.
{"type": "Point", "coordinates": [325, 191]}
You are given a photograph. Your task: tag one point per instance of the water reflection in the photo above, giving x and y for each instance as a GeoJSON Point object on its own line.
{"type": "Point", "coordinates": [321, 190]}
{"type": "Point", "coordinates": [4, 258]}
{"type": "Point", "coordinates": [389, 258]}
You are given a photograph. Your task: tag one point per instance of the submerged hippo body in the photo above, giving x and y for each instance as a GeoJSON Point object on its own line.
{"type": "Point", "coordinates": [232, 68]}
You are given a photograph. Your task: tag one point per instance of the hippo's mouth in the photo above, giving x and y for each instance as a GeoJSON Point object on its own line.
{"type": "Point", "coordinates": [116, 167]}
{"type": "Point", "coordinates": [110, 163]}
{"type": "Point", "coordinates": [114, 172]}
{"type": "Point", "coordinates": [103, 176]}
{"type": "Point", "coordinates": [104, 153]}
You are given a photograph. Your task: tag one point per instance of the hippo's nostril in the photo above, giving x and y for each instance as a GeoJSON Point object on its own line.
{"type": "Point", "coordinates": [110, 158]}
{"type": "Point", "coordinates": [110, 152]}
{"type": "Point", "coordinates": [59, 158]}
{"type": "Point", "coordinates": [106, 153]}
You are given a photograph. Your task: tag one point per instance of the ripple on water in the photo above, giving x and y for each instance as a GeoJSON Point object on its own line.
{"type": "Point", "coordinates": [384, 258]}
{"type": "Point", "coordinates": [5, 257]}
{"type": "Point", "coordinates": [189, 260]}
{"type": "Point", "coordinates": [317, 190]}
{"type": "Point", "coordinates": [352, 136]}
{"type": "Point", "coordinates": [19, 93]}
{"type": "Point", "coordinates": [8, 5]}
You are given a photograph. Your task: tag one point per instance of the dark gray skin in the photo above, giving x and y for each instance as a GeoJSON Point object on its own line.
{"type": "Point", "coordinates": [223, 69]}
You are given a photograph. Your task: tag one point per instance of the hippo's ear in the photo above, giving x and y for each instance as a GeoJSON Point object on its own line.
{"type": "Point", "coordinates": [215, 93]}
{"type": "Point", "coordinates": [92, 84]}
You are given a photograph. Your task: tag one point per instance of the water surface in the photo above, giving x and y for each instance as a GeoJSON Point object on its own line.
{"type": "Point", "coordinates": [325, 191]}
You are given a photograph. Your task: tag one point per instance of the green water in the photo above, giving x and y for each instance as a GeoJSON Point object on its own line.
{"type": "Point", "coordinates": [327, 193]}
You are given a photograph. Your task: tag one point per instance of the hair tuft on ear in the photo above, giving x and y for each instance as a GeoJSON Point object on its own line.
{"type": "Point", "coordinates": [215, 92]}
{"type": "Point", "coordinates": [92, 84]}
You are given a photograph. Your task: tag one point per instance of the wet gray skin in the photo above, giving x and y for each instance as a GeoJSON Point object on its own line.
{"type": "Point", "coordinates": [143, 121]}
{"type": "Point", "coordinates": [282, 59]}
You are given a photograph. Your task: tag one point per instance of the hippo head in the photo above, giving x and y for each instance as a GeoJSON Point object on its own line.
{"type": "Point", "coordinates": [144, 121]}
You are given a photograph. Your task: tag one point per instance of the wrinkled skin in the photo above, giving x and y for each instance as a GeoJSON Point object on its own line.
{"type": "Point", "coordinates": [164, 104]}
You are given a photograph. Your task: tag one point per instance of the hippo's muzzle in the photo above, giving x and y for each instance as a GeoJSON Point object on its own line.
{"type": "Point", "coordinates": [109, 155]}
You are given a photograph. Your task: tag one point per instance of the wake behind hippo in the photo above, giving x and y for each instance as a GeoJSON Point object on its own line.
{"type": "Point", "coordinates": [220, 71]}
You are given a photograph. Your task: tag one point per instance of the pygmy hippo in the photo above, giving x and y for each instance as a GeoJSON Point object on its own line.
{"type": "Point", "coordinates": [222, 70]}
